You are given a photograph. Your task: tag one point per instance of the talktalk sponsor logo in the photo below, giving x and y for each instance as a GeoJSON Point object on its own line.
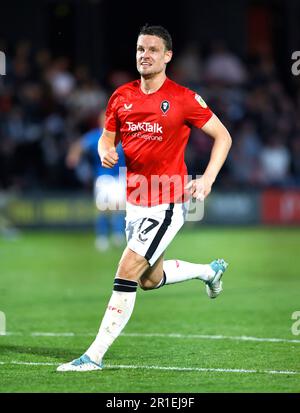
{"type": "Point", "coordinates": [145, 127]}
{"type": "Point", "coordinates": [111, 308]}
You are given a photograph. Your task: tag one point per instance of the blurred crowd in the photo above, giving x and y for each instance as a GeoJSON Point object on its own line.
{"type": "Point", "coordinates": [263, 118]}
{"type": "Point", "coordinates": [47, 103]}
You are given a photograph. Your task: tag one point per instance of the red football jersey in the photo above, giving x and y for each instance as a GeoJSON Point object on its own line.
{"type": "Point", "coordinates": [154, 130]}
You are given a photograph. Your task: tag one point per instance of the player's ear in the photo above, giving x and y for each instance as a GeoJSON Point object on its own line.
{"type": "Point", "coordinates": [168, 56]}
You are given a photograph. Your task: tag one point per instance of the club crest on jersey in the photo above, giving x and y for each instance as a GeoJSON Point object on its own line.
{"type": "Point", "coordinates": [165, 106]}
{"type": "Point", "coordinates": [200, 101]}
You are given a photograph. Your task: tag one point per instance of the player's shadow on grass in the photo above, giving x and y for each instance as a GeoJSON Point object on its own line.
{"type": "Point", "coordinates": [53, 352]}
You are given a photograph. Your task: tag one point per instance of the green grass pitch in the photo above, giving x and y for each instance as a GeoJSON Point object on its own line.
{"type": "Point", "coordinates": [177, 339]}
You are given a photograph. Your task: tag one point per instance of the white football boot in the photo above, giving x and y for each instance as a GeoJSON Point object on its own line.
{"type": "Point", "coordinates": [83, 363]}
{"type": "Point", "coordinates": [214, 284]}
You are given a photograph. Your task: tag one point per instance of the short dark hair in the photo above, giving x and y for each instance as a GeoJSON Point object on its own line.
{"type": "Point", "coordinates": [158, 31]}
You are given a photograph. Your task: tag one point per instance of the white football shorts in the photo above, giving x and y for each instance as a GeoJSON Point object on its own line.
{"type": "Point", "coordinates": [149, 230]}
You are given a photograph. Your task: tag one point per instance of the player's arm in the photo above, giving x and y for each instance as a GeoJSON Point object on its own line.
{"type": "Point", "coordinates": [214, 128]}
{"type": "Point", "coordinates": [222, 143]}
{"type": "Point", "coordinates": [107, 150]}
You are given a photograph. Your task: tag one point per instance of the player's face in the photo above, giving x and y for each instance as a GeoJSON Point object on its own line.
{"type": "Point", "coordinates": [151, 55]}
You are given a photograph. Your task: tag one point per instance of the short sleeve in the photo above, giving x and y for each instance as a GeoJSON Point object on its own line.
{"type": "Point", "coordinates": [111, 120]}
{"type": "Point", "coordinates": [196, 111]}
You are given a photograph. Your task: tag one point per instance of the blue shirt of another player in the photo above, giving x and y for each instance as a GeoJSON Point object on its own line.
{"type": "Point", "coordinates": [89, 144]}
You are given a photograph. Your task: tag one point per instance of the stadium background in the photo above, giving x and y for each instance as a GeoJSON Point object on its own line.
{"type": "Point", "coordinates": [63, 60]}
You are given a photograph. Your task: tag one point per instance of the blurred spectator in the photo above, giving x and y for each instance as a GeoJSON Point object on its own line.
{"type": "Point", "coordinates": [275, 162]}
{"type": "Point", "coordinates": [118, 77]}
{"type": "Point", "coordinates": [244, 156]}
{"type": "Point", "coordinates": [60, 78]}
{"type": "Point", "coordinates": [224, 66]}
{"type": "Point", "coordinates": [188, 68]}
{"type": "Point", "coordinates": [86, 100]}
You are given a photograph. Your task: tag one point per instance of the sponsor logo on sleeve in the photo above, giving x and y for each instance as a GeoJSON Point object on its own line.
{"type": "Point", "coordinates": [200, 101]}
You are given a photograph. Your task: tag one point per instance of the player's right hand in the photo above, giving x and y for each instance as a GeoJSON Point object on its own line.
{"type": "Point", "coordinates": [110, 158]}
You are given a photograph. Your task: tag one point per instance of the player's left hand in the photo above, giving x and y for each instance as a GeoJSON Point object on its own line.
{"type": "Point", "coordinates": [199, 188]}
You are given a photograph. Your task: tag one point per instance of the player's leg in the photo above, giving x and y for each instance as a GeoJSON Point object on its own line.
{"type": "Point", "coordinates": [153, 277]}
{"type": "Point", "coordinates": [165, 272]}
{"type": "Point", "coordinates": [174, 271]}
{"type": "Point", "coordinates": [121, 303]}
{"type": "Point", "coordinates": [144, 232]}
{"type": "Point", "coordinates": [117, 314]}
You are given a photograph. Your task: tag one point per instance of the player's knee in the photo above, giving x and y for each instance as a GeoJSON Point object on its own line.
{"type": "Point", "coordinates": [146, 284]}
{"type": "Point", "coordinates": [132, 266]}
